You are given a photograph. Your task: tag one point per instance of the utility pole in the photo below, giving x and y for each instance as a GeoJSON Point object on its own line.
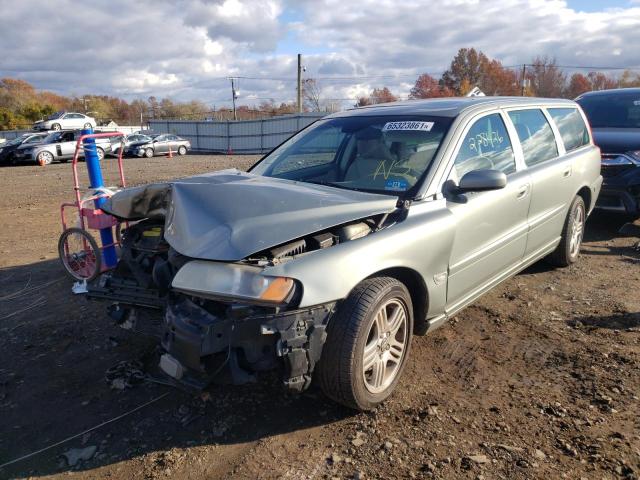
{"type": "Point", "coordinates": [234, 95]}
{"type": "Point", "coordinates": [524, 76]}
{"type": "Point", "coordinates": [299, 103]}
{"type": "Point", "coordinates": [233, 98]}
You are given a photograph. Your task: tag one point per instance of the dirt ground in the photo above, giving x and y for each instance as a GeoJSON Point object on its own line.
{"type": "Point", "coordinates": [539, 379]}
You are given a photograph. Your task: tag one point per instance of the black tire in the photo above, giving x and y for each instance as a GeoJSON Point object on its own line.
{"type": "Point", "coordinates": [56, 126]}
{"type": "Point", "coordinates": [93, 255]}
{"type": "Point", "coordinates": [64, 160]}
{"type": "Point", "coordinates": [148, 153]}
{"type": "Point", "coordinates": [567, 253]}
{"type": "Point", "coordinates": [100, 152]}
{"type": "Point", "coordinates": [340, 370]}
{"type": "Point", "coordinates": [88, 126]}
{"type": "Point", "coordinates": [182, 150]}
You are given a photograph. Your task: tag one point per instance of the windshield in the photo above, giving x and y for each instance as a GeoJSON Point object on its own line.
{"type": "Point", "coordinates": [385, 154]}
{"type": "Point", "coordinates": [16, 141]}
{"type": "Point", "coordinates": [620, 110]}
{"type": "Point", "coordinates": [54, 116]}
{"type": "Point", "coordinates": [52, 137]}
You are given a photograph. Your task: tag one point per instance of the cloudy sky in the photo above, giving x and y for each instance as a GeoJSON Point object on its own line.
{"type": "Point", "coordinates": [187, 49]}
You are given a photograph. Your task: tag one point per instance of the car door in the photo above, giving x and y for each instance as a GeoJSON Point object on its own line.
{"type": "Point", "coordinates": [66, 147]}
{"type": "Point", "coordinates": [491, 226]}
{"type": "Point", "coordinates": [551, 177]}
{"type": "Point", "coordinates": [161, 145]}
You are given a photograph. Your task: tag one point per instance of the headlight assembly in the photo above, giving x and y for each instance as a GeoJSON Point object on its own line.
{"type": "Point", "coordinates": [239, 283]}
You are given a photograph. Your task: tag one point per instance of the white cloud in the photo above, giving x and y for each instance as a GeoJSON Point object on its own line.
{"type": "Point", "coordinates": [186, 48]}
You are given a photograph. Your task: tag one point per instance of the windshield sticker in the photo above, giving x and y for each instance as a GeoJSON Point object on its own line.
{"type": "Point", "coordinates": [420, 126]}
{"type": "Point", "coordinates": [399, 185]}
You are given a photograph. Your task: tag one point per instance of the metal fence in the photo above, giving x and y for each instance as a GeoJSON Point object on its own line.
{"type": "Point", "coordinates": [249, 136]}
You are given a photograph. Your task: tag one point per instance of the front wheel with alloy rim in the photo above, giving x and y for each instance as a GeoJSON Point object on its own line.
{"type": "Point", "coordinates": [44, 158]}
{"type": "Point", "coordinates": [56, 126]}
{"type": "Point", "coordinates": [368, 342]}
{"type": "Point", "coordinates": [87, 126]}
{"type": "Point", "coordinates": [100, 153]}
{"type": "Point", "coordinates": [148, 152]}
{"type": "Point", "coordinates": [572, 233]}
{"type": "Point", "coordinates": [182, 151]}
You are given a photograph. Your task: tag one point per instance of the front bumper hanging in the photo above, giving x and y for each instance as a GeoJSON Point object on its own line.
{"type": "Point", "coordinates": [242, 340]}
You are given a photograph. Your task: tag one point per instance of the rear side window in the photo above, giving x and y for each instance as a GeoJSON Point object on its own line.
{"type": "Point", "coordinates": [535, 135]}
{"type": "Point", "coordinates": [486, 147]}
{"type": "Point", "coordinates": [572, 129]}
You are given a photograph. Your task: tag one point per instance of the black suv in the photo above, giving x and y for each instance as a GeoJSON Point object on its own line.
{"type": "Point", "coordinates": [614, 116]}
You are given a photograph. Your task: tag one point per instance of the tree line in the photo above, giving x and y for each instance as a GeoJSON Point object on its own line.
{"type": "Point", "coordinates": [470, 68]}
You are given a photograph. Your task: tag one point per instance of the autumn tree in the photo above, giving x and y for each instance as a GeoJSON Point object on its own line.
{"type": "Point", "coordinates": [601, 81]}
{"type": "Point", "coordinates": [497, 80]}
{"type": "Point", "coordinates": [428, 87]}
{"type": "Point", "coordinates": [546, 79]}
{"type": "Point", "coordinates": [578, 84]}
{"type": "Point", "coordinates": [629, 79]}
{"type": "Point", "coordinates": [378, 95]}
{"type": "Point", "coordinates": [465, 71]}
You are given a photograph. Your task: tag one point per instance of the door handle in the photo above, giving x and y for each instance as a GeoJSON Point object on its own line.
{"type": "Point", "coordinates": [523, 191]}
{"type": "Point", "coordinates": [566, 173]}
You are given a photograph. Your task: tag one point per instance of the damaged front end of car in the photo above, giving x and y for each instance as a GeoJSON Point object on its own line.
{"type": "Point", "coordinates": [194, 272]}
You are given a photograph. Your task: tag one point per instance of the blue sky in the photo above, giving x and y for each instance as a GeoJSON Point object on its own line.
{"type": "Point", "coordinates": [597, 5]}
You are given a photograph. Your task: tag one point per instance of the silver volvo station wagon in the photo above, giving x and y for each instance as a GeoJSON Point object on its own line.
{"type": "Point", "coordinates": [367, 227]}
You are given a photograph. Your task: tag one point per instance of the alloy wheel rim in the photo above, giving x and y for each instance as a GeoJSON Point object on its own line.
{"type": "Point", "coordinates": [385, 347]}
{"type": "Point", "coordinates": [577, 230]}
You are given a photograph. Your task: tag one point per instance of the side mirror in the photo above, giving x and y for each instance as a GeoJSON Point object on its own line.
{"type": "Point", "coordinates": [482, 180]}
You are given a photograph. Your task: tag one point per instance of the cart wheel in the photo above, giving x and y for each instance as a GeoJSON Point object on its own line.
{"type": "Point", "coordinates": [79, 254]}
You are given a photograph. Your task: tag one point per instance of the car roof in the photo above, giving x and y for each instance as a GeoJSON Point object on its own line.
{"type": "Point", "coordinates": [611, 92]}
{"type": "Point", "coordinates": [447, 107]}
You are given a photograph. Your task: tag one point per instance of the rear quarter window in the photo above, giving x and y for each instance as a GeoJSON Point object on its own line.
{"type": "Point", "coordinates": [572, 128]}
{"type": "Point", "coordinates": [535, 135]}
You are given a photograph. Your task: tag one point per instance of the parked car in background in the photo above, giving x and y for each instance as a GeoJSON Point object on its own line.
{"type": "Point", "coordinates": [64, 121]}
{"type": "Point", "coordinates": [129, 140]}
{"type": "Point", "coordinates": [160, 145]}
{"type": "Point", "coordinates": [614, 116]}
{"type": "Point", "coordinates": [366, 227]}
{"type": "Point", "coordinates": [8, 149]}
{"type": "Point", "coordinates": [59, 146]}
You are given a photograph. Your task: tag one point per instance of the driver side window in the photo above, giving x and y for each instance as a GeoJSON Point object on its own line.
{"type": "Point", "coordinates": [486, 146]}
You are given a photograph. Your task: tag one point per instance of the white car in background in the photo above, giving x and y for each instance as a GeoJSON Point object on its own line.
{"type": "Point", "coordinates": [65, 121]}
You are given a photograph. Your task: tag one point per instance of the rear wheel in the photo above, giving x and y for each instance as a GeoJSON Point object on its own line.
{"type": "Point", "coordinates": [79, 254]}
{"type": "Point", "coordinates": [88, 126]}
{"type": "Point", "coordinates": [56, 126]}
{"type": "Point", "coordinates": [100, 152]}
{"type": "Point", "coordinates": [569, 248]}
{"type": "Point", "coordinates": [368, 342]}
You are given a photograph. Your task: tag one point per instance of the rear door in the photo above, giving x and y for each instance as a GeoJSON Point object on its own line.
{"type": "Point", "coordinates": [161, 144]}
{"type": "Point", "coordinates": [491, 226]}
{"type": "Point", "coordinates": [551, 173]}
